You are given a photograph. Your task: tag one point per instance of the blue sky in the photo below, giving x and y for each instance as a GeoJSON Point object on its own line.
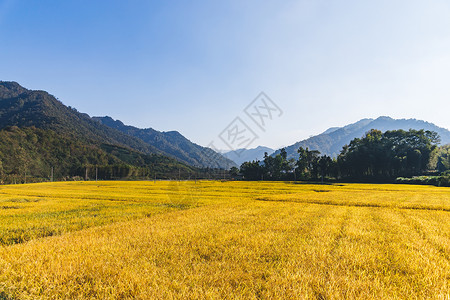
{"type": "Point", "coordinates": [193, 66]}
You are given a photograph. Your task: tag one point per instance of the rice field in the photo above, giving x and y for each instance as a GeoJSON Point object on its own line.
{"type": "Point", "coordinates": [224, 240]}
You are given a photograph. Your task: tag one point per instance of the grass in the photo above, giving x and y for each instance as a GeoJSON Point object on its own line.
{"type": "Point", "coordinates": [233, 240]}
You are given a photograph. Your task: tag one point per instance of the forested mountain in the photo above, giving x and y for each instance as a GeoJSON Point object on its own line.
{"type": "Point", "coordinates": [24, 108]}
{"type": "Point", "coordinates": [242, 155]}
{"type": "Point", "coordinates": [332, 140]}
{"type": "Point", "coordinates": [172, 143]}
{"type": "Point", "coordinates": [31, 154]}
{"type": "Point", "coordinates": [39, 134]}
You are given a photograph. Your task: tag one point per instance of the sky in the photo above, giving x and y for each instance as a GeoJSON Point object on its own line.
{"type": "Point", "coordinates": [194, 66]}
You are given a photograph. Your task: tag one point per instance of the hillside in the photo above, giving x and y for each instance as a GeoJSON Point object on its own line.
{"type": "Point", "coordinates": [24, 108]}
{"type": "Point", "coordinates": [29, 154]}
{"type": "Point", "coordinates": [240, 156]}
{"type": "Point", "coordinates": [172, 143]}
{"type": "Point", "coordinates": [332, 140]}
{"type": "Point", "coordinates": [38, 133]}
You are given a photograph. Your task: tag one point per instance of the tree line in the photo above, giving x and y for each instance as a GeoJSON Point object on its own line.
{"type": "Point", "coordinates": [376, 157]}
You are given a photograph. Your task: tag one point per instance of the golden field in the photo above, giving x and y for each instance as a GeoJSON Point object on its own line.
{"type": "Point", "coordinates": [231, 240]}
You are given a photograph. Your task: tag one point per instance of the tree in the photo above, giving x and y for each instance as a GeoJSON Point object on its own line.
{"type": "Point", "coordinates": [440, 159]}
{"type": "Point", "coordinates": [234, 172]}
{"type": "Point", "coordinates": [252, 170]}
{"type": "Point", "coordinates": [277, 167]}
{"type": "Point", "coordinates": [307, 163]}
{"type": "Point", "coordinates": [325, 165]}
{"type": "Point", "coordinates": [385, 156]}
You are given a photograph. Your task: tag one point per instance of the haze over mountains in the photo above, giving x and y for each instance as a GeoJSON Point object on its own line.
{"type": "Point", "coordinates": [240, 156]}
{"type": "Point", "coordinates": [331, 141]}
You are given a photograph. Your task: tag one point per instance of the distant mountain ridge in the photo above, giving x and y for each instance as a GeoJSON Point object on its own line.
{"type": "Point", "coordinates": [240, 156]}
{"type": "Point", "coordinates": [331, 141]}
{"type": "Point", "coordinates": [173, 144]}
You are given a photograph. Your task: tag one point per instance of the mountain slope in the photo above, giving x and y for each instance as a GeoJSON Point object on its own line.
{"type": "Point", "coordinates": [173, 144]}
{"type": "Point", "coordinates": [24, 108]}
{"type": "Point", "coordinates": [332, 140]}
{"type": "Point", "coordinates": [240, 156]}
{"type": "Point", "coordinates": [39, 134]}
{"type": "Point", "coordinates": [30, 154]}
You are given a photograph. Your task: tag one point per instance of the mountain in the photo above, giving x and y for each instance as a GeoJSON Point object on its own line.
{"type": "Point", "coordinates": [240, 156]}
{"type": "Point", "coordinates": [24, 108]}
{"type": "Point", "coordinates": [332, 140]}
{"type": "Point", "coordinates": [172, 143]}
{"type": "Point", "coordinates": [30, 154]}
{"type": "Point", "coordinates": [38, 134]}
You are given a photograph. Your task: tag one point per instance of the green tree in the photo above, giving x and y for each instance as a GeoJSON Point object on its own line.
{"type": "Point", "coordinates": [307, 167]}
{"type": "Point", "coordinates": [440, 159]}
{"type": "Point", "coordinates": [325, 166]}
{"type": "Point", "coordinates": [277, 167]}
{"type": "Point", "coordinates": [385, 156]}
{"type": "Point", "coordinates": [252, 170]}
{"type": "Point", "coordinates": [234, 172]}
